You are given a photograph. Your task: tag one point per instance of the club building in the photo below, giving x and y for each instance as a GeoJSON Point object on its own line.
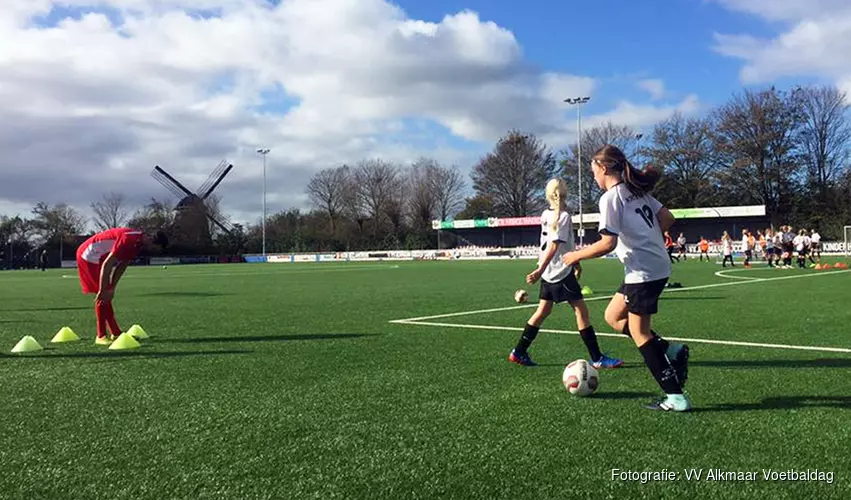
{"type": "Point", "coordinates": [525, 231]}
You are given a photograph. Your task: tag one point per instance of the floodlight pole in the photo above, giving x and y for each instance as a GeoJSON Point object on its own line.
{"type": "Point", "coordinates": [579, 101]}
{"type": "Point", "coordinates": [264, 152]}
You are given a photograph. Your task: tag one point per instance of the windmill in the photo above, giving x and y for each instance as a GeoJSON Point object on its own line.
{"type": "Point", "coordinates": [197, 200]}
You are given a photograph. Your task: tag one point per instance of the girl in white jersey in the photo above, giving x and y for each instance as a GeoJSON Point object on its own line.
{"type": "Point", "coordinates": [631, 224]}
{"type": "Point", "coordinates": [559, 282]}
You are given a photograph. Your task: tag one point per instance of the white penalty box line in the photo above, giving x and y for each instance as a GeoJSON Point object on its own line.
{"type": "Point", "coordinates": [426, 320]}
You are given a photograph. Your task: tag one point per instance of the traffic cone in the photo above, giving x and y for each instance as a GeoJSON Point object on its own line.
{"type": "Point", "coordinates": [818, 267]}
{"type": "Point", "coordinates": [27, 344]}
{"type": "Point", "coordinates": [137, 332]}
{"type": "Point", "coordinates": [124, 341]}
{"type": "Point", "coordinates": [825, 266]}
{"type": "Point", "coordinates": [586, 290]}
{"type": "Point", "coordinates": [65, 334]}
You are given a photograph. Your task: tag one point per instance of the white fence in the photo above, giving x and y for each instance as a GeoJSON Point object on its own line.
{"type": "Point", "coordinates": [471, 253]}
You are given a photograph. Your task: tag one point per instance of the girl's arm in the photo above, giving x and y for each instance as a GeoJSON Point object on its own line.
{"type": "Point", "coordinates": [607, 243]}
{"type": "Point", "coordinates": [548, 257]}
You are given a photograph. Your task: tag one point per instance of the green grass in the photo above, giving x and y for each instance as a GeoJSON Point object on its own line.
{"type": "Point", "coordinates": [289, 381]}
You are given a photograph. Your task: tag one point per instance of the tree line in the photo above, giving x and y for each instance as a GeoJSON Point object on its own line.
{"type": "Point", "coordinates": [786, 149]}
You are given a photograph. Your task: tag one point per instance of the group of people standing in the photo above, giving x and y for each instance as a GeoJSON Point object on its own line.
{"type": "Point", "coordinates": [776, 247]}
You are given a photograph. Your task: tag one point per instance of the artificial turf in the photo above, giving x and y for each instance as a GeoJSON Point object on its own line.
{"type": "Point", "coordinates": [290, 381]}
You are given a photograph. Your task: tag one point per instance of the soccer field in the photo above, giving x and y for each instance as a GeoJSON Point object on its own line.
{"type": "Point", "coordinates": [390, 380]}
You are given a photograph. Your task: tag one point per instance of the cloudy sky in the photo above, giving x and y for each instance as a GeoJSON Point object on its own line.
{"type": "Point", "coordinates": [93, 94]}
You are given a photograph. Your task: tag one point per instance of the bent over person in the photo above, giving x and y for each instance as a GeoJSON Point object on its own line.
{"type": "Point", "coordinates": [101, 261]}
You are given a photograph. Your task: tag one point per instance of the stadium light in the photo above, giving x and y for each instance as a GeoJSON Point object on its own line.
{"type": "Point", "coordinates": [579, 101]}
{"type": "Point", "coordinates": [264, 152]}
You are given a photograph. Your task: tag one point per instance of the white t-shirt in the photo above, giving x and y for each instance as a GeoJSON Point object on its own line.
{"type": "Point", "coordinates": [799, 242]}
{"type": "Point", "coordinates": [727, 243]}
{"type": "Point", "coordinates": [641, 246]}
{"type": "Point", "coordinates": [556, 270]}
{"type": "Point", "coordinates": [769, 242]}
{"type": "Point", "coordinates": [807, 241]}
{"type": "Point", "coordinates": [681, 241]}
{"type": "Point", "coordinates": [816, 238]}
{"type": "Point", "coordinates": [745, 243]}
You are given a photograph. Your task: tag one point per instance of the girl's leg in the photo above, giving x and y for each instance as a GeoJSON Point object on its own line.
{"type": "Point", "coordinates": [586, 330]}
{"type": "Point", "coordinates": [519, 354]}
{"type": "Point", "coordinates": [654, 353]}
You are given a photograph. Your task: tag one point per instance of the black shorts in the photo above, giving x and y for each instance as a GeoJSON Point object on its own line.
{"type": "Point", "coordinates": [566, 290]}
{"type": "Point", "coordinates": [748, 253]}
{"type": "Point", "coordinates": [778, 251]}
{"type": "Point", "coordinates": [643, 298]}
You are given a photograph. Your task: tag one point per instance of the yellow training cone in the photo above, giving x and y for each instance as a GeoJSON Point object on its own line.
{"type": "Point", "coordinates": [27, 344]}
{"type": "Point", "coordinates": [124, 341]}
{"type": "Point", "coordinates": [586, 290]}
{"type": "Point", "coordinates": [65, 334]}
{"type": "Point", "coordinates": [137, 332]}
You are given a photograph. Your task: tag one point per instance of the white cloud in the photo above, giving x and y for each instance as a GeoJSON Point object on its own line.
{"type": "Point", "coordinates": [816, 40]}
{"type": "Point", "coordinates": [91, 104]}
{"type": "Point", "coordinates": [653, 86]}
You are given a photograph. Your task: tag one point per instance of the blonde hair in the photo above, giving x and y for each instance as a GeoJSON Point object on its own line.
{"type": "Point", "coordinates": [556, 193]}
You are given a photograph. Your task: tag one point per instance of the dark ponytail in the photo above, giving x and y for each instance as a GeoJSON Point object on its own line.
{"type": "Point", "coordinates": [639, 182]}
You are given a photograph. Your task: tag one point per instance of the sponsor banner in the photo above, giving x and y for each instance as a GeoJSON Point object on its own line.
{"type": "Point", "coordinates": [162, 261]}
{"type": "Point", "coordinates": [464, 224]}
{"type": "Point", "coordinates": [704, 213]}
{"type": "Point", "coordinates": [304, 258]}
{"type": "Point", "coordinates": [518, 221]}
{"type": "Point", "coordinates": [254, 259]}
{"type": "Point", "coordinates": [280, 258]}
{"type": "Point", "coordinates": [69, 264]}
{"type": "Point", "coordinates": [480, 222]}
{"type": "Point", "coordinates": [328, 257]}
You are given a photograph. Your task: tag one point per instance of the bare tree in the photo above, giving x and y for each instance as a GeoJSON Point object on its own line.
{"type": "Point", "coordinates": [593, 139]}
{"type": "Point", "coordinates": [109, 211]}
{"type": "Point", "coordinates": [59, 221]}
{"type": "Point", "coordinates": [515, 174]}
{"type": "Point", "coordinates": [377, 182]}
{"type": "Point", "coordinates": [326, 191]}
{"type": "Point", "coordinates": [155, 215]}
{"type": "Point", "coordinates": [422, 199]}
{"type": "Point", "coordinates": [825, 136]}
{"type": "Point", "coordinates": [683, 148]}
{"type": "Point", "coordinates": [755, 131]}
{"type": "Point", "coordinates": [448, 185]}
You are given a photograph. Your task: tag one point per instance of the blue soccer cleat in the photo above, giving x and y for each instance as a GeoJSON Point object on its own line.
{"type": "Point", "coordinates": [521, 359]}
{"type": "Point", "coordinates": [671, 402]}
{"type": "Point", "coordinates": [607, 363]}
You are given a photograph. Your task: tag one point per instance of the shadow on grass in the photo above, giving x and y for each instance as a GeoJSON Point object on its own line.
{"type": "Point", "coordinates": [776, 363]}
{"type": "Point", "coordinates": [270, 338]}
{"type": "Point", "coordinates": [686, 297]}
{"type": "Point", "coordinates": [64, 308]}
{"type": "Point", "coordinates": [624, 395]}
{"type": "Point", "coordinates": [135, 353]}
{"type": "Point", "coordinates": [783, 403]}
{"type": "Point", "coordinates": [183, 294]}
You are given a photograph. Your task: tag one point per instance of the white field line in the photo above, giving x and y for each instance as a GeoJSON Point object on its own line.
{"type": "Point", "coordinates": [167, 274]}
{"type": "Point", "coordinates": [620, 335]}
{"type": "Point", "coordinates": [721, 274]}
{"type": "Point", "coordinates": [607, 297]}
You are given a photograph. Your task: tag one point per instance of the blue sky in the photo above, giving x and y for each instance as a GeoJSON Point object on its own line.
{"type": "Point", "coordinates": [622, 41]}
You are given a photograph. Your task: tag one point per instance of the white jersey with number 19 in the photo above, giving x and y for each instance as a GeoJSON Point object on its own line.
{"type": "Point", "coordinates": [641, 246]}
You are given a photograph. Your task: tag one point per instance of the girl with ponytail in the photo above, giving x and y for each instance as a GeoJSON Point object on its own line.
{"type": "Point", "coordinates": [631, 224]}
{"type": "Point", "coordinates": [559, 282]}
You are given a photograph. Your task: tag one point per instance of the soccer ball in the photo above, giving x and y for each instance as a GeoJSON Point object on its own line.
{"type": "Point", "coordinates": [165, 267]}
{"type": "Point", "coordinates": [521, 296]}
{"type": "Point", "coordinates": [580, 378]}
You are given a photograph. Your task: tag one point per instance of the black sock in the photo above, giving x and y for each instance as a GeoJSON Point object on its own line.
{"type": "Point", "coordinates": [660, 367]}
{"type": "Point", "coordinates": [529, 334]}
{"type": "Point", "coordinates": [589, 336]}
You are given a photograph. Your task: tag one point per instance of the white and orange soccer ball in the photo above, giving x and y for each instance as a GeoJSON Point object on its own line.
{"type": "Point", "coordinates": [580, 378]}
{"type": "Point", "coordinates": [521, 296]}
